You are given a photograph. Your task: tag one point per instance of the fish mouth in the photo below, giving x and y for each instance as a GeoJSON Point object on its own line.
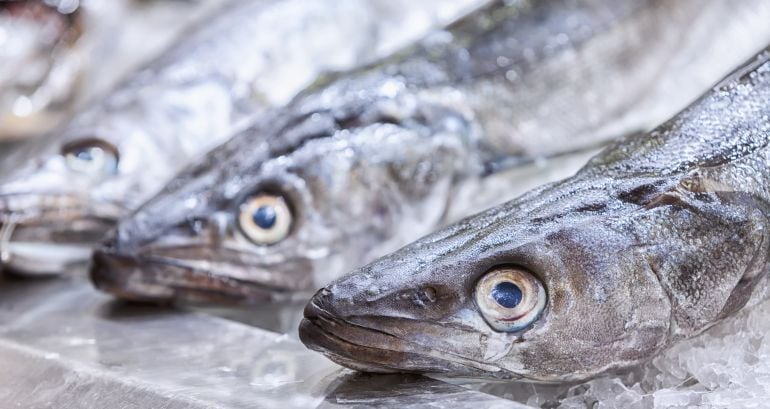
{"type": "Point", "coordinates": [158, 279]}
{"type": "Point", "coordinates": [371, 350]}
{"type": "Point", "coordinates": [50, 234]}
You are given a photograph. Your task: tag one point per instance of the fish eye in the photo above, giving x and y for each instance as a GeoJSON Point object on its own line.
{"type": "Point", "coordinates": [510, 298]}
{"type": "Point", "coordinates": [91, 156]}
{"type": "Point", "coordinates": [264, 218]}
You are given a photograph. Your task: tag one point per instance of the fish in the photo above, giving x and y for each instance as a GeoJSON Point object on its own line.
{"type": "Point", "coordinates": [362, 164]}
{"type": "Point", "coordinates": [58, 54]}
{"type": "Point", "coordinates": [73, 186]}
{"type": "Point", "coordinates": [655, 240]}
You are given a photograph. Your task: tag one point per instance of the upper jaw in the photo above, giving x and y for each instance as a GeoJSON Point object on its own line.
{"type": "Point", "coordinates": [57, 207]}
{"type": "Point", "coordinates": [373, 350]}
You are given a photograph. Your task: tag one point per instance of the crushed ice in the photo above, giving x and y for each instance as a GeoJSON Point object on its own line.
{"type": "Point", "coordinates": [726, 366]}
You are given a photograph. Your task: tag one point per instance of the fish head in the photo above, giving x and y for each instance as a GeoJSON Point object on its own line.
{"type": "Point", "coordinates": [567, 282]}
{"type": "Point", "coordinates": [56, 204]}
{"type": "Point", "coordinates": [68, 188]}
{"type": "Point", "coordinates": [300, 194]}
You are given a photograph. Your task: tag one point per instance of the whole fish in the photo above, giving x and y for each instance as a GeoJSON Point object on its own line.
{"type": "Point", "coordinates": [656, 239]}
{"type": "Point", "coordinates": [56, 54]}
{"type": "Point", "coordinates": [362, 164]}
{"type": "Point", "coordinates": [114, 155]}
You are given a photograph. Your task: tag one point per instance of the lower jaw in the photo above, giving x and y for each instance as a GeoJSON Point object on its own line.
{"type": "Point", "coordinates": [378, 360]}
{"type": "Point", "coordinates": [44, 259]}
{"type": "Point", "coordinates": [47, 246]}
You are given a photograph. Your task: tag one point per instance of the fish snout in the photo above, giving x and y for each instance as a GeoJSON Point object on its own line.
{"type": "Point", "coordinates": [373, 345]}
{"type": "Point", "coordinates": [318, 305]}
{"type": "Point", "coordinates": [320, 316]}
{"type": "Point", "coordinates": [121, 275]}
{"type": "Point", "coordinates": [320, 330]}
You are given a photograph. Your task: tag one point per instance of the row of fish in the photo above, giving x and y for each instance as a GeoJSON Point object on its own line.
{"type": "Point", "coordinates": [654, 240]}
{"type": "Point", "coordinates": [73, 185]}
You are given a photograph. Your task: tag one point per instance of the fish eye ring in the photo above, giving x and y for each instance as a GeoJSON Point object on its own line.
{"type": "Point", "coordinates": [510, 298]}
{"type": "Point", "coordinates": [264, 218]}
{"type": "Point", "coordinates": [91, 156]}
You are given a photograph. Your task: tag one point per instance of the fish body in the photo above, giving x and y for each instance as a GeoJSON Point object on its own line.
{"type": "Point", "coordinates": [656, 239]}
{"type": "Point", "coordinates": [58, 54]}
{"type": "Point", "coordinates": [363, 163]}
{"type": "Point", "coordinates": [112, 156]}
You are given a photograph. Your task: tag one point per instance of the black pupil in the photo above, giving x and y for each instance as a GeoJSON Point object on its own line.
{"type": "Point", "coordinates": [507, 294]}
{"type": "Point", "coordinates": [264, 217]}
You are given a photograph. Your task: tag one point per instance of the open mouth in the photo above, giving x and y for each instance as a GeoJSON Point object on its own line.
{"type": "Point", "coordinates": [57, 219]}
{"type": "Point", "coordinates": [371, 350]}
{"type": "Point", "coordinates": [23, 251]}
{"type": "Point", "coordinates": [166, 280]}
{"type": "Point", "coordinates": [47, 240]}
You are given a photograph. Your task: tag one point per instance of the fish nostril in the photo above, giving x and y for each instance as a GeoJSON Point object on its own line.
{"type": "Point", "coordinates": [197, 224]}
{"type": "Point", "coordinates": [323, 296]}
{"type": "Point", "coordinates": [214, 226]}
{"type": "Point", "coordinates": [427, 295]}
{"type": "Point", "coordinates": [110, 242]}
{"type": "Point", "coordinates": [319, 304]}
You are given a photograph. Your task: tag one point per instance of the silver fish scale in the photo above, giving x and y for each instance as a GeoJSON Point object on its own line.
{"type": "Point", "coordinates": [694, 140]}
{"type": "Point", "coordinates": [424, 70]}
{"type": "Point", "coordinates": [698, 139]}
{"type": "Point", "coordinates": [255, 54]}
{"type": "Point", "coordinates": [370, 159]}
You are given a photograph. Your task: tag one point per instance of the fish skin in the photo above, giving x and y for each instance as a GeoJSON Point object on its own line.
{"type": "Point", "coordinates": [655, 240]}
{"type": "Point", "coordinates": [373, 159]}
{"type": "Point", "coordinates": [181, 105]}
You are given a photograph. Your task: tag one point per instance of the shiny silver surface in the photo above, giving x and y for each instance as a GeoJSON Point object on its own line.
{"type": "Point", "coordinates": [63, 345]}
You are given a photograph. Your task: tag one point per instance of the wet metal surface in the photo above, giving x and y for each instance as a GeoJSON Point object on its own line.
{"type": "Point", "coordinates": [63, 345]}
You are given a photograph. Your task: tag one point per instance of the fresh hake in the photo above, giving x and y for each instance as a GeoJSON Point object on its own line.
{"type": "Point", "coordinates": [656, 239]}
{"type": "Point", "coordinates": [366, 162]}
{"type": "Point", "coordinates": [111, 157]}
